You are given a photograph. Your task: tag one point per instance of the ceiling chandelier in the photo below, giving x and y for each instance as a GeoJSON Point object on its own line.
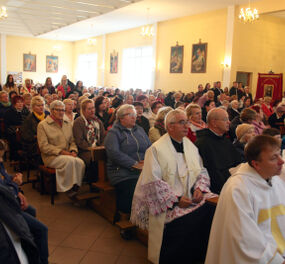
{"type": "Point", "coordinates": [91, 42]}
{"type": "Point", "coordinates": [3, 13]}
{"type": "Point", "coordinates": [148, 30]}
{"type": "Point", "coordinates": [248, 15]}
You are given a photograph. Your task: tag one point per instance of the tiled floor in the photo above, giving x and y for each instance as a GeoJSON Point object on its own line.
{"type": "Point", "coordinates": [79, 235]}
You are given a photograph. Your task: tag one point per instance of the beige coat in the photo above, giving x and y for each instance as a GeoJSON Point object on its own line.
{"type": "Point", "coordinates": [154, 134]}
{"type": "Point", "coordinates": [8, 90]}
{"type": "Point", "coordinates": [52, 139]}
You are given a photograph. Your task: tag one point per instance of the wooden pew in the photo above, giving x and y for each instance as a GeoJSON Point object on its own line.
{"type": "Point", "coordinates": [105, 205]}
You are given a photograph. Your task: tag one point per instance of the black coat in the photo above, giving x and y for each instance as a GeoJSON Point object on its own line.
{"type": "Point", "coordinates": [10, 215]}
{"type": "Point", "coordinates": [232, 113]}
{"type": "Point", "coordinates": [219, 155]}
{"type": "Point", "coordinates": [144, 123]}
{"type": "Point", "coordinates": [276, 122]}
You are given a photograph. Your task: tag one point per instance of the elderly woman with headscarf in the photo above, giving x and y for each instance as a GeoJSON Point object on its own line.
{"type": "Point", "coordinates": [59, 151]}
{"type": "Point", "coordinates": [30, 125]}
{"type": "Point", "coordinates": [88, 131]}
{"type": "Point", "coordinates": [194, 115]}
{"type": "Point", "coordinates": [158, 129]}
{"type": "Point", "coordinates": [125, 145]}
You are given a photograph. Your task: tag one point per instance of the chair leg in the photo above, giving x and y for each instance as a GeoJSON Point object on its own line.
{"type": "Point", "coordinates": [42, 183]}
{"type": "Point", "coordinates": [53, 187]}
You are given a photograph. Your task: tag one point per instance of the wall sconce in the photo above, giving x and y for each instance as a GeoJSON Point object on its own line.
{"type": "Point", "coordinates": [227, 62]}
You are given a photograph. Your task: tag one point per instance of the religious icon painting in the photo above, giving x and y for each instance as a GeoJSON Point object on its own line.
{"type": "Point", "coordinates": [199, 58]}
{"type": "Point", "coordinates": [176, 59]}
{"type": "Point", "coordinates": [29, 62]}
{"type": "Point", "coordinates": [52, 64]}
{"type": "Point", "coordinates": [114, 62]}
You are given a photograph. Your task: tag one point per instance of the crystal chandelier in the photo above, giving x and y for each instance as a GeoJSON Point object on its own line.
{"type": "Point", "coordinates": [248, 15]}
{"type": "Point", "coordinates": [3, 13]}
{"type": "Point", "coordinates": [147, 31]}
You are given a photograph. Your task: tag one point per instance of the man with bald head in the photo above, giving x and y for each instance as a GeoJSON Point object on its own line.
{"type": "Point", "coordinates": [216, 150]}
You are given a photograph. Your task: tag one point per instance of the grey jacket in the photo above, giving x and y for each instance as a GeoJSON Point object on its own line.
{"type": "Point", "coordinates": [124, 148]}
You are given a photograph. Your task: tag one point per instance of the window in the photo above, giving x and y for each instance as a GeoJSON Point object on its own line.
{"type": "Point", "coordinates": [137, 68]}
{"type": "Point", "coordinates": [87, 69]}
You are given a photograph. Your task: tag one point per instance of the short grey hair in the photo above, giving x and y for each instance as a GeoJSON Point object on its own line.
{"type": "Point", "coordinates": [233, 101]}
{"type": "Point", "coordinates": [213, 114]}
{"type": "Point", "coordinates": [56, 103]}
{"type": "Point", "coordinates": [122, 110]}
{"type": "Point", "coordinates": [171, 116]}
{"type": "Point", "coordinates": [162, 112]}
{"type": "Point", "coordinates": [37, 99]}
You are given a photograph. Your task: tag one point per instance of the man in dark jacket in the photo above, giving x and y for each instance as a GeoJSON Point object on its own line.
{"type": "Point", "coordinates": [217, 152]}
{"type": "Point", "coordinates": [12, 220]}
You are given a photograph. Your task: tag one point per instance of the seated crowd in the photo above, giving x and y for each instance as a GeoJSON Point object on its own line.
{"type": "Point", "coordinates": [166, 154]}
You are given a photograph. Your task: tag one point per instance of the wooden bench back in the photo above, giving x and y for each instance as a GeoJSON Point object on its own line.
{"type": "Point", "coordinates": [99, 155]}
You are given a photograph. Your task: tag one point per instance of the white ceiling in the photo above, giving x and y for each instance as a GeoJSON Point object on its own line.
{"type": "Point", "coordinates": [58, 19]}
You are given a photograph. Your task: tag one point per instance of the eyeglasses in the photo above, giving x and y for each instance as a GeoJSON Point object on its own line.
{"type": "Point", "coordinates": [39, 105]}
{"type": "Point", "coordinates": [59, 110]}
{"type": "Point", "coordinates": [131, 114]}
{"type": "Point", "coordinates": [181, 122]}
{"type": "Point", "coordinates": [223, 119]}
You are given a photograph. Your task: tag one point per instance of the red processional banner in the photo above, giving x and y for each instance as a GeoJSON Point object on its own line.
{"type": "Point", "coordinates": [269, 85]}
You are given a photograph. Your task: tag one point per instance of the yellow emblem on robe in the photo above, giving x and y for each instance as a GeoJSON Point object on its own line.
{"type": "Point", "coordinates": [272, 214]}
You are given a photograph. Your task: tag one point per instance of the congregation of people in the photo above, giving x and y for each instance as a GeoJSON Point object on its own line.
{"type": "Point", "coordinates": [166, 155]}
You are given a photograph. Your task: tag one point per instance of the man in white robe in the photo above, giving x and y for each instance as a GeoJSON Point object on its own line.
{"type": "Point", "coordinates": [249, 223]}
{"type": "Point", "coordinates": [169, 198]}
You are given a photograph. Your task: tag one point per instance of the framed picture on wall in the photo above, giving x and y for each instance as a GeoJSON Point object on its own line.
{"type": "Point", "coordinates": [114, 62]}
{"type": "Point", "coordinates": [176, 59]}
{"type": "Point", "coordinates": [199, 58]}
{"type": "Point", "coordinates": [29, 62]}
{"type": "Point", "coordinates": [52, 64]}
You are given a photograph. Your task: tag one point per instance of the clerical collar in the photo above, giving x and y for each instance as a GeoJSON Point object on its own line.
{"type": "Point", "coordinates": [178, 146]}
{"type": "Point", "coordinates": [269, 182]}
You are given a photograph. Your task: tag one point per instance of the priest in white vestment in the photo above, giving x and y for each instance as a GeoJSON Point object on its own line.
{"type": "Point", "coordinates": [169, 198]}
{"type": "Point", "coordinates": [249, 223]}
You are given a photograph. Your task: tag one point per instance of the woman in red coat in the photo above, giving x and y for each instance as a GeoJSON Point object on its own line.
{"type": "Point", "coordinates": [64, 87]}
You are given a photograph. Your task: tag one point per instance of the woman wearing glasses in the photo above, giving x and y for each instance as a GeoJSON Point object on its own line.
{"type": "Point", "coordinates": [59, 151]}
{"type": "Point", "coordinates": [125, 145]}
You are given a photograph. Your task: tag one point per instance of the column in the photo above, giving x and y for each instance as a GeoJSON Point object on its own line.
{"type": "Point", "coordinates": [3, 58]}
{"type": "Point", "coordinates": [154, 44]}
{"type": "Point", "coordinates": [228, 46]}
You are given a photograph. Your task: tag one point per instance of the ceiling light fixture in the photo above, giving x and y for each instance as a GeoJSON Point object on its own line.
{"type": "Point", "coordinates": [248, 16]}
{"type": "Point", "coordinates": [148, 30]}
{"type": "Point", "coordinates": [91, 42]}
{"type": "Point", "coordinates": [3, 13]}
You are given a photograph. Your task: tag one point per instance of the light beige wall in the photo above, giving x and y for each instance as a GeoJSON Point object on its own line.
{"type": "Point", "coordinates": [259, 47]}
{"type": "Point", "coordinates": [82, 47]}
{"type": "Point", "coordinates": [210, 27]}
{"type": "Point", "coordinates": [119, 41]}
{"type": "Point", "coordinates": [17, 46]}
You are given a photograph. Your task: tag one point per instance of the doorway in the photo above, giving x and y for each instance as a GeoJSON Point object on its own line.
{"type": "Point", "coordinates": [245, 78]}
